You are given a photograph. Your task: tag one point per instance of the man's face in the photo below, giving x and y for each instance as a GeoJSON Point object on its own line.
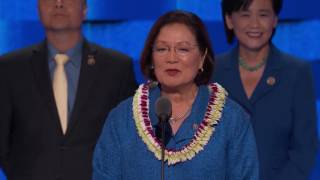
{"type": "Point", "coordinates": [62, 15]}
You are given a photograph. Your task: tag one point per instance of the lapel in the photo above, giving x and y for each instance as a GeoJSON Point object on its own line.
{"type": "Point", "coordinates": [88, 74]}
{"type": "Point", "coordinates": [232, 81]}
{"type": "Point", "coordinates": [271, 76]}
{"type": "Point", "coordinates": [40, 69]}
{"type": "Point", "coordinates": [269, 80]}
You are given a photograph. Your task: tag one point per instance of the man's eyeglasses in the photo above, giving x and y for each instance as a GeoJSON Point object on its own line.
{"type": "Point", "coordinates": [182, 49]}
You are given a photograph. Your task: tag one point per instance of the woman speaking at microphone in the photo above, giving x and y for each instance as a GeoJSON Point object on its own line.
{"type": "Point", "coordinates": [209, 137]}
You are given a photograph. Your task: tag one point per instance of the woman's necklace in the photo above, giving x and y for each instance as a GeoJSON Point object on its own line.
{"type": "Point", "coordinates": [178, 117]}
{"type": "Point", "coordinates": [181, 116]}
{"type": "Point", "coordinates": [249, 68]}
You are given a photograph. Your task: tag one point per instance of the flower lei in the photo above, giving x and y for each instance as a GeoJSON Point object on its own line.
{"type": "Point", "coordinates": [201, 137]}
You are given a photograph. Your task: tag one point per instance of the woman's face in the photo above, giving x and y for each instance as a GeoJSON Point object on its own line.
{"type": "Point", "coordinates": [253, 27]}
{"type": "Point", "coordinates": [176, 56]}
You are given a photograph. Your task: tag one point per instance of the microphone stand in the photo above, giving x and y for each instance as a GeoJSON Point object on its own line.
{"type": "Point", "coordinates": [163, 132]}
{"type": "Point", "coordinates": [163, 111]}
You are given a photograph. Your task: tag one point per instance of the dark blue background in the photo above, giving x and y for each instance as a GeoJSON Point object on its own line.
{"type": "Point", "coordinates": [124, 24]}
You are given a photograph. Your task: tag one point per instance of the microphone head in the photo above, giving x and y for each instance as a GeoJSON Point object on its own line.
{"type": "Point", "coordinates": [163, 108]}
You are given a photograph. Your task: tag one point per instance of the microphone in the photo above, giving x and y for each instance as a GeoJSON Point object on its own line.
{"type": "Point", "coordinates": [163, 129]}
{"type": "Point", "coordinates": [163, 111]}
{"type": "Point", "coordinates": [163, 108]}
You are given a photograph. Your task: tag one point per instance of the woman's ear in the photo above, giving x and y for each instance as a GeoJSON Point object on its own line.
{"type": "Point", "coordinates": [203, 58]}
{"type": "Point", "coordinates": [275, 22]}
{"type": "Point", "coordinates": [228, 20]}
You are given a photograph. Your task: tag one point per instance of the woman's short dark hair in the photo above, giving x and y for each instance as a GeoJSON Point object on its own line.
{"type": "Point", "coordinates": [197, 27]}
{"type": "Point", "coordinates": [230, 6]}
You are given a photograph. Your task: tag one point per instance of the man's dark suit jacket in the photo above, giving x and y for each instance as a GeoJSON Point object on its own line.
{"type": "Point", "coordinates": [282, 109]}
{"type": "Point", "coordinates": [32, 145]}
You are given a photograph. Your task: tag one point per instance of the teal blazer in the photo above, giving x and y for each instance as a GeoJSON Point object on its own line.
{"type": "Point", "coordinates": [282, 110]}
{"type": "Point", "coordinates": [230, 154]}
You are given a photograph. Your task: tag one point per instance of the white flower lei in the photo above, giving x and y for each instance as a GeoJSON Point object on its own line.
{"type": "Point", "coordinates": [201, 137]}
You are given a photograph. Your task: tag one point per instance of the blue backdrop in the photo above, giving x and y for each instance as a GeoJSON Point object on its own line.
{"type": "Point", "coordinates": [124, 24]}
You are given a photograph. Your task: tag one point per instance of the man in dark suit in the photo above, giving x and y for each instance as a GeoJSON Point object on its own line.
{"type": "Point", "coordinates": [35, 144]}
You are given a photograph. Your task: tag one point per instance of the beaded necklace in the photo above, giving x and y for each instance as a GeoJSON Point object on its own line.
{"type": "Point", "coordinates": [249, 68]}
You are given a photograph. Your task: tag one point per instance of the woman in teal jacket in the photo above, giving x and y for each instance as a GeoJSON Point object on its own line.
{"type": "Point", "coordinates": [211, 136]}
